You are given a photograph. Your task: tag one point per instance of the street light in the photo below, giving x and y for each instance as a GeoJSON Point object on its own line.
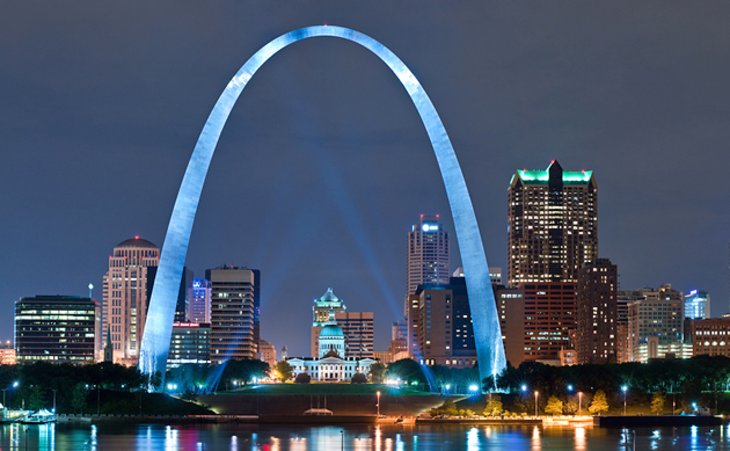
{"type": "Point", "coordinates": [580, 401]}
{"type": "Point", "coordinates": [473, 388]}
{"type": "Point", "coordinates": [377, 404]}
{"type": "Point", "coordinates": [523, 388]}
{"type": "Point", "coordinates": [570, 388]}
{"type": "Point", "coordinates": [536, 395]}
{"type": "Point", "coordinates": [624, 388]}
{"type": "Point", "coordinates": [14, 385]}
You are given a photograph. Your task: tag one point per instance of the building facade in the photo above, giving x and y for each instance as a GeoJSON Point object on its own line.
{"type": "Point", "coordinates": [597, 312]}
{"type": "Point", "coordinates": [199, 301]}
{"type": "Point", "coordinates": [428, 263]}
{"type": "Point", "coordinates": [710, 336]}
{"type": "Point", "coordinates": [57, 329]}
{"type": "Point", "coordinates": [697, 305]}
{"type": "Point", "coordinates": [359, 330]}
{"type": "Point", "coordinates": [189, 344]}
{"type": "Point", "coordinates": [552, 224]}
{"type": "Point", "coordinates": [656, 313]}
{"type": "Point", "coordinates": [550, 318]}
{"type": "Point", "coordinates": [124, 307]}
{"type": "Point", "coordinates": [267, 353]}
{"type": "Point", "coordinates": [511, 311]}
{"type": "Point", "coordinates": [232, 313]}
{"type": "Point", "coordinates": [444, 332]}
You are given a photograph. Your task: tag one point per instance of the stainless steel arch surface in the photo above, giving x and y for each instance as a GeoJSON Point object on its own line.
{"type": "Point", "coordinates": [158, 328]}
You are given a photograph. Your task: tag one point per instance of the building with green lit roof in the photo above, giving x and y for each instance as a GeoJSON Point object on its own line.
{"type": "Point", "coordinates": [553, 224]}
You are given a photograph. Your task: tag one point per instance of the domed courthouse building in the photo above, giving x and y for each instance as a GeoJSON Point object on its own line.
{"type": "Point", "coordinates": [331, 363]}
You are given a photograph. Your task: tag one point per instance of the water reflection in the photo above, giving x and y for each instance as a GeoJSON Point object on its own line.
{"type": "Point", "coordinates": [353, 437]}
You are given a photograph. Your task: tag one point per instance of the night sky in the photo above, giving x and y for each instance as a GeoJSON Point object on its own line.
{"type": "Point", "coordinates": [324, 164]}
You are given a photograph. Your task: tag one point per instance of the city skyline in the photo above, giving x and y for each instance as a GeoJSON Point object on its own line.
{"type": "Point", "coordinates": [672, 231]}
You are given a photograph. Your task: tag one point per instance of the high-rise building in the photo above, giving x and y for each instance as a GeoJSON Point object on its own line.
{"type": "Point", "coordinates": [321, 309]}
{"type": "Point", "coordinates": [511, 310]}
{"type": "Point", "coordinates": [199, 301]}
{"type": "Point", "coordinates": [553, 224]}
{"type": "Point", "coordinates": [57, 329]}
{"type": "Point", "coordinates": [189, 344]}
{"type": "Point", "coordinates": [549, 319]}
{"type": "Point", "coordinates": [697, 305]}
{"type": "Point", "coordinates": [359, 328]}
{"type": "Point", "coordinates": [428, 263]}
{"type": "Point", "coordinates": [597, 312]}
{"type": "Point", "coordinates": [125, 299]}
{"type": "Point", "coordinates": [444, 331]}
{"type": "Point", "coordinates": [655, 323]}
{"type": "Point", "coordinates": [232, 313]}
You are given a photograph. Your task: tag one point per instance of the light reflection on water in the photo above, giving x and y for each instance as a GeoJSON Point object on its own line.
{"type": "Point", "coordinates": [236, 437]}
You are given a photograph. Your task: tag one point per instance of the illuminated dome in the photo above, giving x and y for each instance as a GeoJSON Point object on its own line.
{"type": "Point", "coordinates": [136, 241]}
{"type": "Point", "coordinates": [331, 330]}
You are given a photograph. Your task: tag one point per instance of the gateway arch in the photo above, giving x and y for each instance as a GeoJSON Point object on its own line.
{"type": "Point", "coordinates": [158, 328]}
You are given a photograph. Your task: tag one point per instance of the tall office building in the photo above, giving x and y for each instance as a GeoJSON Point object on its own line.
{"type": "Point", "coordinates": [57, 329]}
{"type": "Point", "coordinates": [655, 323]}
{"type": "Point", "coordinates": [552, 233]}
{"type": "Point", "coordinates": [232, 313]}
{"type": "Point", "coordinates": [428, 263]}
{"type": "Point", "coordinates": [359, 328]}
{"type": "Point", "coordinates": [697, 305]}
{"type": "Point", "coordinates": [321, 308]}
{"type": "Point", "coordinates": [511, 310]}
{"type": "Point", "coordinates": [597, 312]}
{"type": "Point", "coordinates": [444, 331]}
{"type": "Point", "coordinates": [189, 344]}
{"type": "Point", "coordinates": [125, 298]}
{"type": "Point", "coordinates": [553, 224]}
{"type": "Point", "coordinates": [199, 301]}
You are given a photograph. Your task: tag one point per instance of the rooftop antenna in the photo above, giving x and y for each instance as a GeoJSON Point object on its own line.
{"type": "Point", "coordinates": [91, 291]}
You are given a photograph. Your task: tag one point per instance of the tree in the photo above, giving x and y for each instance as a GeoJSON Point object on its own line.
{"type": "Point", "coordinates": [494, 406]}
{"type": "Point", "coordinates": [571, 407]}
{"type": "Point", "coordinates": [657, 403]}
{"type": "Point", "coordinates": [78, 398]}
{"type": "Point", "coordinates": [377, 371]}
{"type": "Point", "coordinates": [283, 371]}
{"type": "Point", "coordinates": [407, 370]}
{"type": "Point", "coordinates": [554, 406]}
{"type": "Point", "coordinates": [303, 378]}
{"type": "Point", "coordinates": [599, 404]}
{"type": "Point", "coordinates": [359, 378]}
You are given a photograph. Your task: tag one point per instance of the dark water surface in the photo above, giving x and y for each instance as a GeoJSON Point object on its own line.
{"type": "Point", "coordinates": [294, 437]}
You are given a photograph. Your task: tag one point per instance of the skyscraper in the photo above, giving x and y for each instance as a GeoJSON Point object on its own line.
{"type": "Point", "coordinates": [552, 233]}
{"type": "Point", "coordinates": [125, 296]}
{"type": "Point", "coordinates": [232, 313]}
{"type": "Point", "coordinates": [428, 253]}
{"type": "Point", "coordinates": [56, 329]}
{"type": "Point", "coordinates": [428, 263]}
{"type": "Point", "coordinates": [597, 312]}
{"type": "Point", "coordinates": [553, 224]}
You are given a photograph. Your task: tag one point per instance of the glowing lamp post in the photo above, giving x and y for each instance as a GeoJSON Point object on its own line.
{"type": "Point", "coordinates": [624, 389]}
{"type": "Point", "coordinates": [377, 403]}
{"type": "Point", "coordinates": [580, 401]}
{"type": "Point", "coordinates": [537, 393]}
